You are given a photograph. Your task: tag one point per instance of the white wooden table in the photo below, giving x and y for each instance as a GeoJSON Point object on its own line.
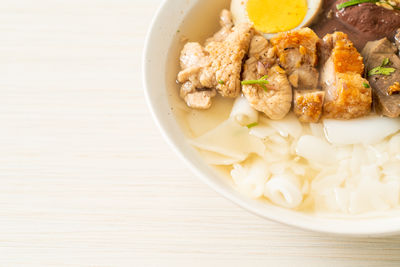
{"type": "Point", "coordinates": [85, 178]}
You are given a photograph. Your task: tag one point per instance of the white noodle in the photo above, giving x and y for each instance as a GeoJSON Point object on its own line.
{"type": "Point", "coordinates": [285, 161]}
{"type": "Point", "coordinates": [284, 190]}
{"type": "Point", "coordinates": [251, 176]}
{"type": "Point", "coordinates": [243, 113]}
{"type": "Point", "coordinates": [230, 139]}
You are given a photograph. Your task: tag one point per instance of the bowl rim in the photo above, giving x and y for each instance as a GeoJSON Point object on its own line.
{"type": "Point", "coordinates": [389, 230]}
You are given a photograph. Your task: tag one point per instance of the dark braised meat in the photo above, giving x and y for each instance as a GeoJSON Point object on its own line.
{"type": "Point", "coordinates": [385, 87]}
{"type": "Point", "coordinates": [364, 22]}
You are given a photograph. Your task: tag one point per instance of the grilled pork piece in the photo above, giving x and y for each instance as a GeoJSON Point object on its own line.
{"type": "Point", "coordinates": [385, 88]}
{"type": "Point", "coordinates": [347, 94]}
{"type": "Point", "coordinates": [217, 66]}
{"type": "Point", "coordinates": [276, 100]}
{"type": "Point", "coordinates": [297, 53]}
{"type": "Point", "coordinates": [308, 104]}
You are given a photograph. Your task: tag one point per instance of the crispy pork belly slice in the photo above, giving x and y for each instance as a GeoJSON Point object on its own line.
{"type": "Point", "coordinates": [328, 43]}
{"type": "Point", "coordinates": [308, 105]}
{"type": "Point", "coordinates": [346, 58]}
{"type": "Point", "coordinates": [215, 67]}
{"type": "Point", "coordinates": [350, 98]}
{"type": "Point", "coordinates": [297, 53]}
{"type": "Point", "coordinates": [346, 92]}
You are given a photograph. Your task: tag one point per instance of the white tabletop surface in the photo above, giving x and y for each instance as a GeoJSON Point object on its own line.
{"type": "Point", "coordinates": [86, 179]}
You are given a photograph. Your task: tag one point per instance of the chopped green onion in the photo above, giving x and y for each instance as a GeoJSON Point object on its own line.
{"type": "Point", "coordinates": [381, 69]}
{"type": "Point", "coordinates": [366, 85]}
{"type": "Point", "coordinates": [353, 3]}
{"type": "Point", "coordinates": [251, 125]}
{"type": "Point", "coordinates": [385, 62]}
{"type": "Point", "coordinates": [221, 82]}
{"type": "Point", "coordinates": [262, 82]}
{"type": "Point", "coordinates": [356, 2]}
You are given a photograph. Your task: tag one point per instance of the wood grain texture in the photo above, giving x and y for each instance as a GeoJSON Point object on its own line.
{"type": "Point", "coordinates": [86, 179]}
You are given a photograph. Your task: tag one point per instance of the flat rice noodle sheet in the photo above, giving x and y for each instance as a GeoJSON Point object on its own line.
{"type": "Point", "coordinates": [262, 131]}
{"type": "Point", "coordinates": [214, 158]}
{"type": "Point", "coordinates": [229, 140]}
{"type": "Point", "coordinates": [367, 130]}
{"type": "Point", "coordinates": [315, 149]}
{"type": "Point", "coordinates": [289, 125]}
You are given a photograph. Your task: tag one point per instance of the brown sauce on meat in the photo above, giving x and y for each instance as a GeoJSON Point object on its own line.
{"type": "Point", "coordinates": [363, 22]}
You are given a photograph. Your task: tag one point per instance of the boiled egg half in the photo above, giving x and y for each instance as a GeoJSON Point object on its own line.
{"type": "Point", "coordinates": [273, 16]}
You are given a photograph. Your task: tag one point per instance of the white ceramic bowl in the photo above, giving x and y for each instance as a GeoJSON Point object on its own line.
{"type": "Point", "coordinates": [160, 68]}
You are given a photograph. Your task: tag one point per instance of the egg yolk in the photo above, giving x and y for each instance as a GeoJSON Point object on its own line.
{"type": "Point", "coordinates": [271, 16]}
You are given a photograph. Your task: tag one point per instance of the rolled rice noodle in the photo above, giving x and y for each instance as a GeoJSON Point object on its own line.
{"type": "Point", "coordinates": [341, 166]}
{"type": "Point", "coordinates": [251, 176]}
{"type": "Point", "coordinates": [242, 112]}
{"type": "Point", "coordinates": [284, 190]}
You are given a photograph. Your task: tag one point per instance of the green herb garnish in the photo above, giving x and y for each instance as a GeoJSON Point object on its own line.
{"type": "Point", "coordinates": [381, 3]}
{"type": "Point", "coordinates": [353, 3]}
{"type": "Point", "coordinates": [385, 61]}
{"type": "Point", "coordinates": [262, 82]}
{"type": "Point", "coordinates": [382, 70]}
{"type": "Point", "coordinates": [221, 82]}
{"type": "Point", "coordinates": [251, 125]}
{"type": "Point", "coordinates": [366, 85]}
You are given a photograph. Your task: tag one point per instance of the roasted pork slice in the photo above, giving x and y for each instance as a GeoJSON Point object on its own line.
{"type": "Point", "coordinates": [328, 43]}
{"type": "Point", "coordinates": [275, 98]}
{"type": "Point", "coordinates": [347, 94]}
{"type": "Point", "coordinates": [346, 58]}
{"type": "Point", "coordinates": [297, 53]}
{"type": "Point", "coordinates": [217, 66]}
{"type": "Point", "coordinates": [308, 104]}
{"type": "Point", "coordinates": [385, 86]}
